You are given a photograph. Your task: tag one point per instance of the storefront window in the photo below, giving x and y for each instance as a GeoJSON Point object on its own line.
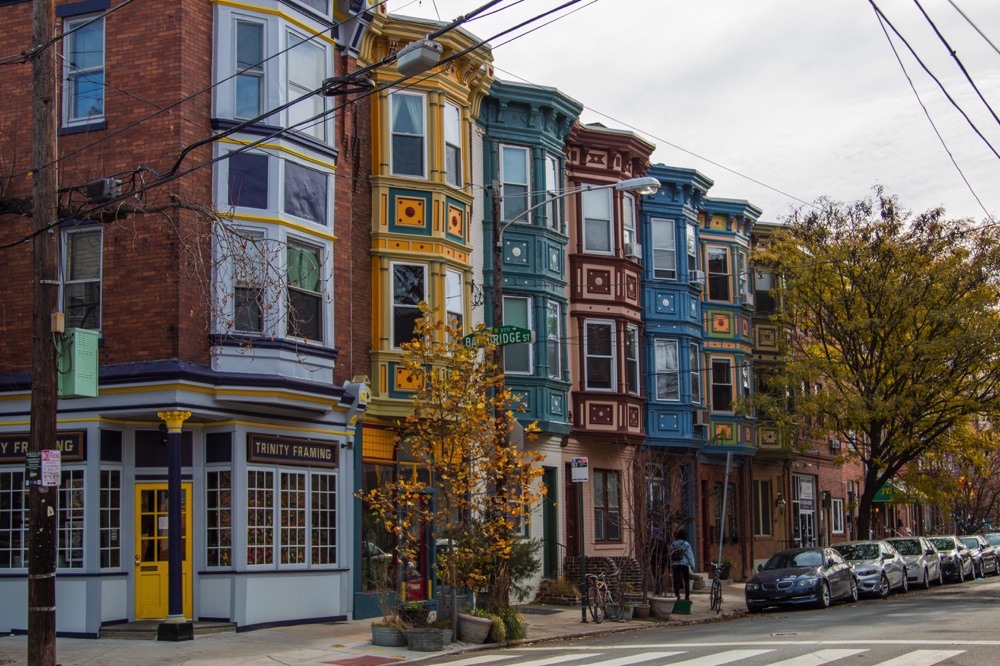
{"type": "Point", "coordinates": [306, 517]}
{"type": "Point", "coordinates": [377, 545]}
{"type": "Point", "coordinates": [219, 507]}
{"type": "Point", "coordinates": [260, 517]}
{"type": "Point", "coordinates": [293, 518]}
{"type": "Point", "coordinates": [111, 502]}
{"type": "Point", "coordinates": [324, 518]}
{"type": "Point", "coordinates": [13, 516]}
{"type": "Point", "coordinates": [69, 551]}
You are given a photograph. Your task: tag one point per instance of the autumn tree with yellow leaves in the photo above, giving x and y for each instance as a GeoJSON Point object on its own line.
{"type": "Point", "coordinates": [472, 485]}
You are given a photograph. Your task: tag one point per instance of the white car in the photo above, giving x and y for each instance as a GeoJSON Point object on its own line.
{"type": "Point", "coordinates": [879, 568]}
{"type": "Point", "coordinates": [923, 561]}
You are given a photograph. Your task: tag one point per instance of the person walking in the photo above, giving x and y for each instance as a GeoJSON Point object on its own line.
{"type": "Point", "coordinates": [681, 564]}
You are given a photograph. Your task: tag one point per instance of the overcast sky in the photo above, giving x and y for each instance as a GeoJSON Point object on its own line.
{"type": "Point", "coordinates": [804, 96]}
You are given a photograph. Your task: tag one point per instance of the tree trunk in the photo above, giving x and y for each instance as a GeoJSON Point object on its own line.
{"type": "Point", "coordinates": [865, 502]}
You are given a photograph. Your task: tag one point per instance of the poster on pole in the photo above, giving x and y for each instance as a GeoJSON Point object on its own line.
{"type": "Point", "coordinates": [51, 468]}
{"type": "Point", "coordinates": [580, 469]}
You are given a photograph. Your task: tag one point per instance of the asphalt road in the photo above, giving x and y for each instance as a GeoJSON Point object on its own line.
{"type": "Point", "coordinates": [952, 625]}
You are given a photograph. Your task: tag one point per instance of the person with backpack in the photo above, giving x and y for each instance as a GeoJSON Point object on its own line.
{"type": "Point", "coordinates": [681, 564]}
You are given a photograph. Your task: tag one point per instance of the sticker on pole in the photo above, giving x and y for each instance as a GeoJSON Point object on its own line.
{"type": "Point", "coordinates": [581, 470]}
{"type": "Point", "coordinates": [51, 468]}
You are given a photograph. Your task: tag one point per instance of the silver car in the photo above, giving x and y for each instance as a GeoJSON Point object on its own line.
{"type": "Point", "coordinates": [923, 561]}
{"type": "Point", "coordinates": [878, 566]}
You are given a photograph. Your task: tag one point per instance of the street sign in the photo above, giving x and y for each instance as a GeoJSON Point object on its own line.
{"type": "Point", "coordinates": [43, 468]}
{"type": "Point", "coordinates": [503, 335]}
{"type": "Point", "coordinates": [581, 469]}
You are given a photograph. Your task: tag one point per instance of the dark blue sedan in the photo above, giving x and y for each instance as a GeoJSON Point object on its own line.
{"type": "Point", "coordinates": [802, 577]}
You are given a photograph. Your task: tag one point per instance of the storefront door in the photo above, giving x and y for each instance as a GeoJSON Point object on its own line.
{"type": "Point", "coordinates": [151, 550]}
{"type": "Point", "coordinates": [804, 510]}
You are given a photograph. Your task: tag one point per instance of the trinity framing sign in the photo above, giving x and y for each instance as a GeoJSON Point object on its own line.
{"type": "Point", "coordinates": [291, 451]}
{"type": "Point", "coordinates": [72, 446]}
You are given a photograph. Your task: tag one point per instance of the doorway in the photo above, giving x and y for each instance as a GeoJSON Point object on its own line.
{"type": "Point", "coordinates": [151, 549]}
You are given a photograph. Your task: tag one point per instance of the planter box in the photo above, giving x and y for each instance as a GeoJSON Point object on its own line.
{"type": "Point", "coordinates": [628, 613]}
{"type": "Point", "coordinates": [387, 636]}
{"type": "Point", "coordinates": [641, 611]}
{"type": "Point", "coordinates": [426, 639]}
{"type": "Point", "coordinates": [472, 629]}
{"type": "Point", "coordinates": [661, 607]}
{"type": "Point", "coordinates": [415, 617]}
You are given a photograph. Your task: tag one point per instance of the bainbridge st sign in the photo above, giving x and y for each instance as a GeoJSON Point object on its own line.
{"type": "Point", "coordinates": [291, 451]}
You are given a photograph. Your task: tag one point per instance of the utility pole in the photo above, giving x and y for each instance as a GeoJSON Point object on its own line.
{"type": "Point", "coordinates": [42, 501]}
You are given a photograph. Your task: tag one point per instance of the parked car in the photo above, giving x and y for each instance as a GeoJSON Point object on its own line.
{"type": "Point", "coordinates": [923, 561]}
{"type": "Point", "coordinates": [879, 568]}
{"type": "Point", "coordinates": [993, 538]}
{"type": "Point", "coordinates": [956, 560]}
{"type": "Point", "coordinates": [802, 576]}
{"type": "Point", "coordinates": [984, 556]}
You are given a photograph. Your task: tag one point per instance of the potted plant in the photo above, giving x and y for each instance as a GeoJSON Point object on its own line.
{"type": "Point", "coordinates": [726, 569]}
{"type": "Point", "coordinates": [414, 614]}
{"type": "Point", "coordinates": [389, 631]}
{"type": "Point", "coordinates": [473, 628]}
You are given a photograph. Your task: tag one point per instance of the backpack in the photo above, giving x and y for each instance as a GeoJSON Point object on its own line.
{"type": "Point", "coordinates": [677, 555]}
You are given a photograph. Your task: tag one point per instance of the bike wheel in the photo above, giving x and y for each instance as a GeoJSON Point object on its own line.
{"type": "Point", "coordinates": [614, 608]}
{"type": "Point", "coordinates": [594, 603]}
{"type": "Point", "coordinates": [716, 595]}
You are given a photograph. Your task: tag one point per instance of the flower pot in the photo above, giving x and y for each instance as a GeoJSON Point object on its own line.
{"type": "Point", "coordinates": [446, 635]}
{"type": "Point", "coordinates": [661, 607]}
{"type": "Point", "coordinates": [425, 639]}
{"type": "Point", "coordinates": [472, 629]}
{"type": "Point", "coordinates": [641, 611]}
{"type": "Point", "coordinates": [387, 636]}
{"type": "Point", "coordinates": [629, 611]}
{"type": "Point", "coordinates": [415, 617]}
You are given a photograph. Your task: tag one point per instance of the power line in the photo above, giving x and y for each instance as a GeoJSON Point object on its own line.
{"type": "Point", "coordinates": [974, 26]}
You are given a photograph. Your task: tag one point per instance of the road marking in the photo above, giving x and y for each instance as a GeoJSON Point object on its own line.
{"type": "Point", "coordinates": [716, 644]}
{"type": "Point", "coordinates": [922, 658]}
{"type": "Point", "coordinates": [482, 659]}
{"type": "Point", "coordinates": [818, 658]}
{"type": "Point", "coordinates": [726, 657]}
{"type": "Point", "coordinates": [640, 658]}
{"type": "Point", "coordinates": [562, 659]}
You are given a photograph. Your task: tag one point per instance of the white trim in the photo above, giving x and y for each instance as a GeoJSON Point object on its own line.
{"type": "Point", "coordinates": [69, 24]}
{"type": "Point", "coordinates": [424, 144]}
{"type": "Point", "coordinates": [391, 300]}
{"type": "Point", "coordinates": [613, 359]}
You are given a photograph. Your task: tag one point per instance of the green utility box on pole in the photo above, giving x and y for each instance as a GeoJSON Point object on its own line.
{"type": "Point", "coordinates": [78, 363]}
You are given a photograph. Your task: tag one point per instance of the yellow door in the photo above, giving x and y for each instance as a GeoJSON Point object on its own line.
{"type": "Point", "coordinates": [151, 579]}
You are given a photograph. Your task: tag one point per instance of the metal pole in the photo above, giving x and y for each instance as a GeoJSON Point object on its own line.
{"type": "Point", "coordinates": [42, 502]}
{"type": "Point", "coordinates": [583, 556]}
{"type": "Point", "coordinates": [725, 494]}
{"type": "Point", "coordinates": [177, 627]}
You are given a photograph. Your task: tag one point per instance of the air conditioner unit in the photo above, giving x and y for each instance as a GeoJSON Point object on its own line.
{"type": "Point", "coordinates": [701, 418]}
{"type": "Point", "coordinates": [698, 276]}
{"type": "Point", "coordinates": [633, 250]}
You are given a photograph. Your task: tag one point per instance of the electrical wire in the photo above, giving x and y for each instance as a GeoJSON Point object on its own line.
{"type": "Point", "coordinates": [974, 26]}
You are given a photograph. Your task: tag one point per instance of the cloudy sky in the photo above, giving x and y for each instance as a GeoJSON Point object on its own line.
{"type": "Point", "coordinates": [777, 101]}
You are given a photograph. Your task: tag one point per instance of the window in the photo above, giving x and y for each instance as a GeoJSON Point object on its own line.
{"type": "Point", "coordinates": [764, 303]}
{"type": "Point", "coordinates": [69, 523]}
{"type": "Point", "coordinates": [407, 134]}
{"type": "Point", "coordinates": [552, 192]}
{"type": "Point", "coordinates": [306, 71]}
{"type": "Point", "coordinates": [302, 524]}
{"type": "Point", "coordinates": [628, 219]}
{"type": "Point", "coordinates": [695, 374]}
{"type": "Point", "coordinates": [667, 370]}
{"type": "Point", "coordinates": [722, 385]}
{"type": "Point", "coordinates": [13, 516]}
{"type": "Point", "coordinates": [409, 288]}
{"type": "Point", "coordinates": [745, 379]}
{"type": "Point", "coordinates": [249, 69]}
{"type": "Point", "coordinates": [718, 273]}
{"type": "Point", "coordinates": [319, 6]}
{"type": "Point", "coordinates": [607, 506]}
{"type": "Point", "coordinates": [248, 283]}
{"type": "Point", "coordinates": [517, 312]}
{"type": "Point", "coordinates": [743, 277]}
{"type": "Point", "coordinates": [632, 359]}
{"type": "Point", "coordinates": [305, 310]}
{"type": "Point", "coordinates": [82, 279]}
{"type": "Point", "coordinates": [454, 301]}
{"type": "Point", "coordinates": [248, 180]}
{"type": "Point", "coordinates": [597, 236]}
{"type": "Point", "coordinates": [219, 518]}
{"type": "Point", "coordinates": [761, 508]}
{"type": "Point", "coordinates": [731, 524]}
{"type": "Point", "coordinates": [83, 79]}
{"type": "Point", "coordinates": [837, 516]}
{"type": "Point", "coordinates": [599, 350]}
{"type": "Point", "coordinates": [664, 251]}
{"type": "Point", "coordinates": [692, 247]}
{"type": "Point", "coordinates": [514, 172]}
{"type": "Point", "coordinates": [111, 510]}
{"type": "Point", "coordinates": [453, 144]}
{"type": "Point", "coordinates": [306, 192]}
{"type": "Point", "coordinates": [553, 343]}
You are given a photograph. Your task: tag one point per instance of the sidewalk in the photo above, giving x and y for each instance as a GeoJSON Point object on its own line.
{"type": "Point", "coordinates": [337, 644]}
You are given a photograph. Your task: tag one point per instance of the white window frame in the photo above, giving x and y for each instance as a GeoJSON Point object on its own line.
{"type": "Point", "coordinates": [72, 73]}
{"type": "Point", "coordinates": [837, 515]}
{"type": "Point", "coordinates": [110, 525]}
{"type": "Point", "coordinates": [628, 219]}
{"type": "Point", "coordinates": [589, 213]}
{"type": "Point", "coordinates": [528, 347]}
{"type": "Point", "coordinates": [66, 281]}
{"type": "Point", "coordinates": [453, 144]}
{"type": "Point", "coordinates": [392, 298]}
{"type": "Point", "coordinates": [612, 358]}
{"type": "Point", "coordinates": [257, 71]}
{"type": "Point", "coordinates": [223, 555]}
{"type": "Point", "coordinates": [454, 296]}
{"type": "Point", "coordinates": [71, 540]}
{"type": "Point", "coordinates": [282, 188]}
{"type": "Point", "coordinates": [17, 557]}
{"type": "Point", "coordinates": [553, 332]}
{"type": "Point", "coordinates": [322, 259]}
{"type": "Point", "coordinates": [307, 5]}
{"type": "Point", "coordinates": [661, 347]}
{"type": "Point", "coordinates": [664, 252]}
{"type": "Point", "coordinates": [553, 189]}
{"type": "Point", "coordinates": [694, 356]}
{"type": "Point", "coordinates": [692, 247]}
{"type": "Point", "coordinates": [505, 183]}
{"type": "Point", "coordinates": [632, 360]}
{"type": "Point", "coordinates": [732, 389]}
{"type": "Point", "coordinates": [724, 252]}
{"type": "Point", "coordinates": [393, 96]}
{"type": "Point", "coordinates": [295, 89]}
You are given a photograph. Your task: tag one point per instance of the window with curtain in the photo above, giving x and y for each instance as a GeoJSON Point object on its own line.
{"type": "Point", "coordinates": [632, 359]}
{"type": "Point", "coordinates": [407, 134]}
{"type": "Point", "coordinates": [454, 297]}
{"type": "Point", "coordinates": [599, 352]}
{"type": "Point", "coordinates": [305, 299]}
{"type": "Point", "coordinates": [249, 280]}
{"type": "Point", "coordinates": [249, 69]}
{"type": "Point", "coordinates": [409, 288]}
{"type": "Point", "coordinates": [307, 193]}
{"type": "Point", "coordinates": [607, 505]}
{"type": "Point", "coordinates": [597, 232]}
{"type": "Point", "coordinates": [453, 144]}
{"type": "Point", "coordinates": [667, 370]}
{"type": "Point", "coordinates": [718, 273]}
{"type": "Point", "coordinates": [248, 180]}
{"type": "Point", "coordinates": [82, 252]}
{"type": "Point", "coordinates": [514, 173]}
{"type": "Point", "coordinates": [306, 71]}
{"type": "Point", "coordinates": [83, 82]}
{"type": "Point", "coordinates": [664, 249]}
{"type": "Point", "coordinates": [722, 385]}
{"type": "Point", "coordinates": [553, 330]}
{"type": "Point", "coordinates": [517, 312]}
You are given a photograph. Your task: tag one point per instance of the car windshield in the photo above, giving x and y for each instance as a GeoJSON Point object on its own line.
{"type": "Point", "coordinates": [858, 551]}
{"type": "Point", "coordinates": [971, 542]}
{"type": "Point", "coordinates": [943, 544]}
{"type": "Point", "coordinates": [907, 546]}
{"type": "Point", "coordinates": [806, 558]}
{"type": "Point", "coordinates": [994, 539]}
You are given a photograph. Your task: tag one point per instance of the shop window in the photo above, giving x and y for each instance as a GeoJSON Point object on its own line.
{"type": "Point", "coordinates": [111, 516]}
{"type": "Point", "coordinates": [664, 249]}
{"type": "Point", "coordinates": [219, 518]}
{"type": "Point", "coordinates": [323, 516]}
{"type": "Point", "coordinates": [378, 573]}
{"type": "Point", "coordinates": [293, 518]}
{"type": "Point", "coordinates": [761, 508]}
{"type": "Point", "coordinates": [13, 517]}
{"type": "Point", "coordinates": [607, 506]}
{"type": "Point", "coordinates": [260, 517]}
{"type": "Point", "coordinates": [667, 370]}
{"type": "Point", "coordinates": [303, 519]}
{"type": "Point", "coordinates": [69, 528]}
{"type": "Point", "coordinates": [81, 288]}
{"type": "Point", "coordinates": [597, 236]}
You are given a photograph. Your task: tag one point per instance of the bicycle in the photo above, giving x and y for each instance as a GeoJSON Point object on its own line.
{"type": "Point", "coordinates": [715, 595]}
{"type": "Point", "coordinates": [601, 600]}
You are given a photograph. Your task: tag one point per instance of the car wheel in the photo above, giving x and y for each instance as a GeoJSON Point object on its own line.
{"type": "Point", "coordinates": [854, 591]}
{"type": "Point", "coordinates": [823, 596]}
{"type": "Point", "coordinates": [977, 572]}
{"type": "Point", "coordinates": [905, 586]}
{"type": "Point", "coordinates": [883, 587]}
{"type": "Point", "coordinates": [927, 581]}
{"type": "Point", "coordinates": [960, 578]}
{"type": "Point", "coordinates": [754, 609]}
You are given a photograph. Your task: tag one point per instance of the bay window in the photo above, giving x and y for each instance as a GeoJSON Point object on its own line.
{"type": "Point", "coordinates": [667, 370]}
{"type": "Point", "coordinates": [249, 280]}
{"type": "Point", "coordinates": [692, 247]}
{"type": "Point", "coordinates": [695, 374]}
{"type": "Point", "coordinates": [306, 71]}
{"type": "Point", "coordinates": [632, 359]}
{"type": "Point", "coordinates": [408, 130]}
{"type": "Point", "coordinates": [81, 284]}
{"type": "Point", "coordinates": [83, 71]}
{"type": "Point", "coordinates": [409, 288]}
{"type": "Point", "coordinates": [722, 385]}
{"type": "Point", "coordinates": [597, 232]}
{"type": "Point", "coordinates": [552, 192]}
{"type": "Point", "coordinates": [307, 192]}
{"type": "Point", "coordinates": [607, 505]}
{"type": "Point", "coordinates": [599, 353]}
{"type": "Point", "coordinates": [454, 298]}
{"type": "Point", "coordinates": [718, 273]}
{"type": "Point", "coordinates": [628, 220]}
{"type": "Point", "coordinates": [553, 332]}
{"type": "Point", "coordinates": [249, 69]}
{"type": "Point", "coordinates": [517, 312]}
{"type": "Point", "coordinates": [515, 171]}
{"type": "Point", "coordinates": [453, 144]}
{"type": "Point", "coordinates": [764, 301]}
{"type": "Point", "coordinates": [664, 249]}
{"type": "Point", "coordinates": [305, 300]}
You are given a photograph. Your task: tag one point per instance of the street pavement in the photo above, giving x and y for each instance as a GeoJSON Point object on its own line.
{"type": "Point", "coordinates": [340, 643]}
